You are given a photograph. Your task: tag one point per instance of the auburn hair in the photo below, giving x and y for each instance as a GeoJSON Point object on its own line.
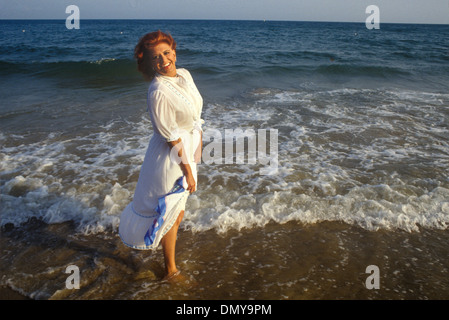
{"type": "Point", "coordinates": [142, 51]}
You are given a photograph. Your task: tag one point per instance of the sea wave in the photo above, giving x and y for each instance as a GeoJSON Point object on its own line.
{"type": "Point", "coordinates": [109, 67]}
{"type": "Point", "coordinates": [88, 69]}
{"type": "Point", "coordinates": [361, 70]}
{"type": "Point", "coordinates": [342, 157]}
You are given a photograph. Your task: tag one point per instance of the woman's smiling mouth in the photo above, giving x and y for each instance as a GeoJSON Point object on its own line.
{"type": "Point", "coordinates": [166, 66]}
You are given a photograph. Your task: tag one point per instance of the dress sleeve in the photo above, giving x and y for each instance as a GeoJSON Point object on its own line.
{"type": "Point", "coordinates": [163, 116]}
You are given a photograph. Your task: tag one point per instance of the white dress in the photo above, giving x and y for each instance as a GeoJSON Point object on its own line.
{"type": "Point", "coordinates": [175, 106]}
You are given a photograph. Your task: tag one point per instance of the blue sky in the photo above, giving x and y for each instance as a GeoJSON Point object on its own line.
{"type": "Point", "coordinates": [396, 11]}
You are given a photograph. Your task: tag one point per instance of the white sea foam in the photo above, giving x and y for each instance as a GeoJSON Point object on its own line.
{"type": "Point", "coordinates": [76, 178]}
{"type": "Point", "coordinates": [341, 158]}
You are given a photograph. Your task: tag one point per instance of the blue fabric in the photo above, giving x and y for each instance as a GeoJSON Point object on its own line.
{"type": "Point", "coordinates": [161, 209]}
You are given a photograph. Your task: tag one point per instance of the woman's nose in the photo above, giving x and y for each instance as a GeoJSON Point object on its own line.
{"type": "Point", "coordinates": [163, 60]}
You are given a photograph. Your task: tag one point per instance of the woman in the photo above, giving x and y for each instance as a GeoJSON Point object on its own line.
{"type": "Point", "coordinates": [168, 174]}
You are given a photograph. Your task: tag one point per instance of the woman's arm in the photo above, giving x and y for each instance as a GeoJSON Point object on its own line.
{"type": "Point", "coordinates": [198, 151]}
{"type": "Point", "coordinates": [184, 164]}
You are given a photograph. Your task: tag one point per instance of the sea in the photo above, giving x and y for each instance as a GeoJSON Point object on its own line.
{"type": "Point", "coordinates": [355, 204]}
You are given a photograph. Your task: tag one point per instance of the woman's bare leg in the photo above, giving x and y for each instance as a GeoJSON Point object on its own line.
{"type": "Point", "coordinates": [168, 247]}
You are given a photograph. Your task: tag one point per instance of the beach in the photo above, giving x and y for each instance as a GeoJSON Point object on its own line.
{"type": "Point", "coordinates": [323, 261]}
{"type": "Point", "coordinates": [350, 202]}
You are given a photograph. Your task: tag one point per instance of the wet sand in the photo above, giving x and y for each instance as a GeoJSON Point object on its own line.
{"type": "Point", "coordinates": [291, 261]}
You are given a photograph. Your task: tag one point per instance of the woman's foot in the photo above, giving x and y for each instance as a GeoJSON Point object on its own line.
{"type": "Point", "coordinates": [172, 276]}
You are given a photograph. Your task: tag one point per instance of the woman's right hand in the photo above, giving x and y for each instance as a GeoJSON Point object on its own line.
{"type": "Point", "coordinates": [191, 184]}
{"type": "Point", "coordinates": [184, 164]}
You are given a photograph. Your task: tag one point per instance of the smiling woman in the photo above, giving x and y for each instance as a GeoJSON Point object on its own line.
{"type": "Point", "coordinates": [165, 179]}
{"type": "Point", "coordinates": [156, 53]}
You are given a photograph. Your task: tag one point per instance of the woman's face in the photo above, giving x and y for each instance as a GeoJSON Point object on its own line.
{"type": "Point", "coordinates": [163, 59]}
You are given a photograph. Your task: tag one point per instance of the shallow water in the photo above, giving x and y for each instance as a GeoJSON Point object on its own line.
{"type": "Point", "coordinates": [326, 260]}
